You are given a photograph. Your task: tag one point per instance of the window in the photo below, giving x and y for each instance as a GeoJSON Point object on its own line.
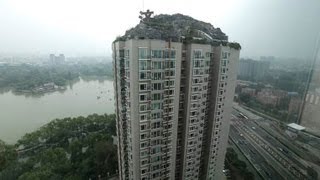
{"type": "Point", "coordinates": [156, 159]}
{"type": "Point", "coordinates": [224, 55]}
{"type": "Point", "coordinates": [170, 73]}
{"type": "Point", "coordinates": [184, 54]}
{"type": "Point", "coordinates": [156, 125]}
{"type": "Point", "coordinates": [224, 62]}
{"type": "Point", "coordinates": [143, 53]}
{"type": "Point", "coordinates": [127, 52]}
{"type": "Point", "coordinates": [144, 65]}
{"type": "Point", "coordinates": [155, 150]}
{"type": "Point", "coordinates": [208, 63]}
{"type": "Point", "coordinates": [173, 54]}
{"type": "Point", "coordinates": [170, 101]}
{"type": "Point", "coordinates": [143, 107]}
{"type": "Point", "coordinates": [143, 162]}
{"type": "Point", "coordinates": [155, 106]}
{"type": "Point", "coordinates": [143, 117]}
{"type": "Point", "coordinates": [157, 86]}
{"type": "Point", "coordinates": [169, 92]}
{"type": "Point", "coordinates": [197, 54]}
{"type": "Point", "coordinates": [156, 142]}
{"type": "Point", "coordinates": [155, 175]}
{"type": "Point", "coordinates": [143, 136]}
{"type": "Point", "coordinates": [143, 87]}
{"type": "Point", "coordinates": [196, 63]}
{"type": "Point", "coordinates": [157, 76]}
{"type": "Point", "coordinates": [144, 153]}
{"type": "Point", "coordinates": [157, 65]}
{"type": "Point", "coordinates": [170, 64]}
{"type": "Point", "coordinates": [155, 167]}
{"type": "Point", "coordinates": [194, 97]}
{"type": "Point", "coordinates": [195, 80]}
{"type": "Point", "coordinates": [156, 54]}
{"type": "Point", "coordinates": [121, 53]}
{"type": "Point", "coordinates": [144, 75]}
{"type": "Point", "coordinates": [143, 127]}
{"type": "Point", "coordinates": [156, 96]}
{"type": "Point", "coordinates": [166, 54]}
{"type": "Point", "coordinates": [127, 74]}
{"type": "Point", "coordinates": [143, 97]}
{"type": "Point", "coordinates": [194, 105]}
{"type": "Point", "coordinates": [169, 83]}
{"type": "Point", "coordinates": [156, 133]}
{"type": "Point", "coordinates": [156, 115]}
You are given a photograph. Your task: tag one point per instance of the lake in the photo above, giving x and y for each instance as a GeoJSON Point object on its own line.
{"type": "Point", "coordinates": [21, 114]}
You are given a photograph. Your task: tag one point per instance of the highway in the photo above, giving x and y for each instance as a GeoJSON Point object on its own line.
{"type": "Point", "coordinates": [270, 157]}
{"type": "Point", "coordinates": [261, 165]}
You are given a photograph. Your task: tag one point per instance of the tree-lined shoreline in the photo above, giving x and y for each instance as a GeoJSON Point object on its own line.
{"type": "Point", "coordinates": [26, 78]}
{"type": "Point", "coordinates": [69, 148]}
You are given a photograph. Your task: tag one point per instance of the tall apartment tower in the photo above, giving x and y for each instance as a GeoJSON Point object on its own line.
{"type": "Point", "coordinates": [173, 102]}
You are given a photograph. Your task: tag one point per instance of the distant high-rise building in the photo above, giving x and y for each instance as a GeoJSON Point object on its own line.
{"type": "Point", "coordinates": [173, 101]}
{"type": "Point", "coordinates": [252, 70]}
{"type": "Point", "coordinates": [267, 58]}
{"type": "Point", "coordinates": [52, 58]}
{"type": "Point", "coordinates": [55, 60]}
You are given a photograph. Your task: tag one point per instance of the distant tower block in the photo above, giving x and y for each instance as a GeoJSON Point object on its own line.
{"type": "Point", "coordinates": [55, 60]}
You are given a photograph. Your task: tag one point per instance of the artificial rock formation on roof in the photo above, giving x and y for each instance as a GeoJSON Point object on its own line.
{"type": "Point", "coordinates": [178, 28]}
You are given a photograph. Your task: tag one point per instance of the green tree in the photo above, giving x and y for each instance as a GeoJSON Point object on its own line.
{"type": "Point", "coordinates": [312, 173]}
{"type": "Point", "coordinates": [245, 98]}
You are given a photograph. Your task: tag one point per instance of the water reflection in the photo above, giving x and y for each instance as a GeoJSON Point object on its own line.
{"type": "Point", "coordinates": [22, 113]}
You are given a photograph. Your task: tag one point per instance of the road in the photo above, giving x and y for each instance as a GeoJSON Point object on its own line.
{"type": "Point", "coordinates": [261, 165]}
{"type": "Point", "coordinates": [270, 157]}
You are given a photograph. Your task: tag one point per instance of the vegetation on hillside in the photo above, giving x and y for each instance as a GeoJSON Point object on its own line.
{"type": "Point", "coordinates": [69, 148]}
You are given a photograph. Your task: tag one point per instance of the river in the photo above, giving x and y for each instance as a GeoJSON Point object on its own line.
{"type": "Point", "coordinates": [21, 114]}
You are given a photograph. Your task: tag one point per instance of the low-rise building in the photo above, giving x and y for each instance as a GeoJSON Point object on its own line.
{"type": "Point", "coordinates": [294, 105]}
{"type": "Point", "coordinates": [294, 129]}
{"type": "Point", "coordinates": [250, 91]}
{"type": "Point", "coordinates": [265, 96]}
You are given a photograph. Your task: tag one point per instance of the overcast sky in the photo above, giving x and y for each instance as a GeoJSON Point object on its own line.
{"type": "Point", "coordinates": [286, 28]}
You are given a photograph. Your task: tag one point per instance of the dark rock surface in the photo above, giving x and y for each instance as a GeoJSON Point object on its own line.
{"type": "Point", "coordinates": [174, 27]}
{"type": "Point", "coordinates": [178, 28]}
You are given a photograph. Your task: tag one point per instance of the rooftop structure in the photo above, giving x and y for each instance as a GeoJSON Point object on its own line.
{"type": "Point", "coordinates": [296, 126]}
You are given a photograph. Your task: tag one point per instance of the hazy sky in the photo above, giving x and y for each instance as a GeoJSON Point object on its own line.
{"type": "Point", "coordinates": [88, 27]}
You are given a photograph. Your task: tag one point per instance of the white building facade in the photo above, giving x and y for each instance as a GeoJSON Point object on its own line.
{"type": "Point", "coordinates": [173, 105]}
